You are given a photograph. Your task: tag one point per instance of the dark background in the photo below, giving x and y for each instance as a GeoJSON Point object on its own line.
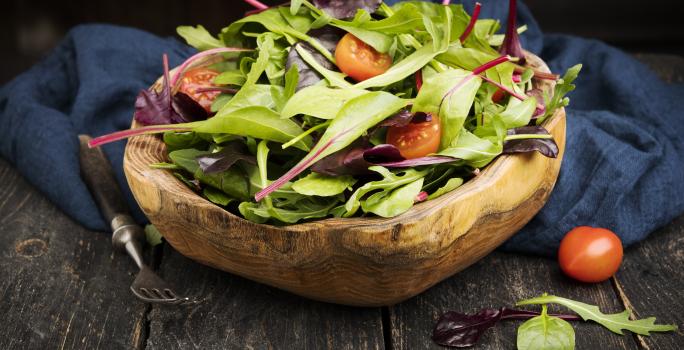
{"type": "Point", "coordinates": [32, 28]}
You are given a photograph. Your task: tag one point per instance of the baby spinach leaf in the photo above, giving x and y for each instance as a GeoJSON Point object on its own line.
{"type": "Point", "coordinates": [322, 185]}
{"type": "Point", "coordinates": [346, 9]}
{"type": "Point", "coordinates": [258, 122]}
{"type": "Point", "coordinates": [389, 182]}
{"type": "Point", "coordinates": [377, 40]}
{"type": "Point", "coordinates": [319, 101]}
{"type": "Point", "coordinates": [477, 152]}
{"type": "Point", "coordinates": [450, 95]}
{"type": "Point", "coordinates": [613, 322]}
{"type": "Point", "coordinates": [402, 69]}
{"type": "Point", "coordinates": [216, 196]}
{"type": "Point", "coordinates": [180, 140]}
{"type": "Point", "coordinates": [518, 113]}
{"type": "Point", "coordinates": [232, 182]}
{"type": "Point", "coordinates": [249, 96]}
{"type": "Point", "coordinates": [358, 115]}
{"type": "Point", "coordinates": [546, 332]}
{"type": "Point", "coordinates": [392, 203]}
{"type": "Point", "coordinates": [198, 37]}
{"type": "Point", "coordinates": [451, 185]}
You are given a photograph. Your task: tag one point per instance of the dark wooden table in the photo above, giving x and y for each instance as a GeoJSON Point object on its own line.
{"type": "Point", "coordinates": [61, 286]}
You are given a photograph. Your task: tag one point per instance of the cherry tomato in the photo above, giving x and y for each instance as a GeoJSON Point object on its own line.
{"type": "Point", "coordinates": [198, 78]}
{"type": "Point", "coordinates": [590, 254]}
{"type": "Point", "coordinates": [498, 96]}
{"type": "Point", "coordinates": [358, 60]}
{"type": "Point", "coordinates": [416, 140]}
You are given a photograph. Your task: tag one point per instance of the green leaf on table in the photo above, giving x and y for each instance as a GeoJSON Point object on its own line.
{"type": "Point", "coordinates": [152, 235]}
{"type": "Point", "coordinates": [613, 322]}
{"type": "Point", "coordinates": [198, 37]}
{"type": "Point", "coordinates": [392, 203]}
{"type": "Point", "coordinates": [546, 332]}
{"type": "Point", "coordinates": [451, 185]}
{"type": "Point", "coordinates": [319, 101]}
{"type": "Point", "coordinates": [316, 184]}
{"type": "Point", "coordinates": [438, 97]}
{"type": "Point", "coordinates": [389, 182]}
{"type": "Point", "coordinates": [257, 122]}
{"type": "Point", "coordinates": [563, 87]}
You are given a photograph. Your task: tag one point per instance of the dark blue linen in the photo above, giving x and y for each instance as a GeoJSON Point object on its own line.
{"type": "Point", "coordinates": [623, 168]}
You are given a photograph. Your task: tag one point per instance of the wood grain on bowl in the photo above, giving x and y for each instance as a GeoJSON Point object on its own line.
{"type": "Point", "coordinates": [367, 261]}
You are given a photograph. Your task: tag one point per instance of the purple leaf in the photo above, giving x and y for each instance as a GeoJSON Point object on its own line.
{"type": "Point", "coordinates": [547, 147]}
{"type": "Point", "coordinates": [511, 45]}
{"type": "Point", "coordinates": [221, 161]}
{"type": "Point", "coordinates": [462, 330]}
{"type": "Point", "coordinates": [154, 108]}
{"type": "Point", "coordinates": [188, 108]}
{"type": "Point", "coordinates": [346, 8]}
{"type": "Point", "coordinates": [405, 117]}
{"type": "Point", "coordinates": [328, 36]}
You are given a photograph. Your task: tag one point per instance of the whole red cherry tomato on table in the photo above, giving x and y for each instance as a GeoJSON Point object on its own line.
{"type": "Point", "coordinates": [358, 60]}
{"type": "Point", "coordinates": [192, 83]}
{"type": "Point", "coordinates": [590, 254]}
{"type": "Point", "coordinates": [416, 140]}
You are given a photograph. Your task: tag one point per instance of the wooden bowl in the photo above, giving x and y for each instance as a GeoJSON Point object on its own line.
{"type": "Point", "coordinates": [369, 261]}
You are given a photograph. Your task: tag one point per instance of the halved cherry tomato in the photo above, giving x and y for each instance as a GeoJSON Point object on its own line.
{"type": "Point", "coordinates": [358, 60]}
{"type": "Point", "coordinates": [416, 140]}
{"type": "Point", "coordinates": [196, 79]}
{"type": "Point", "coordinates": [498, 96]}
{"type": "Point", "coordinates": [590, 254]}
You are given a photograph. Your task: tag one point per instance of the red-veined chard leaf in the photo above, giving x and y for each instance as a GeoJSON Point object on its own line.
{"type": "Point", "coordinates": [346, 8]}
{"type": "Point", "coordinates": [545, 146]}
{"type": "Point", "coordinates": [471, 24]}
{"type": "Point", "coordinates": [155, 108]}
{"type": "Point", "coordinates": [511, 45]}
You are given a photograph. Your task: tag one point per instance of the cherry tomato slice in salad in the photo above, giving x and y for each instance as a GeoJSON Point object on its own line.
{"type": "Point", "coordinates": [498, 96]}
{"type": "Point", "coordinates": [196, 79]}
{"type": "Point", "coordinates": [590, 254]}
{"type": "Point", "coordinates": [358, 60]}
{"type": "Point", "coordinates": [416, 140]}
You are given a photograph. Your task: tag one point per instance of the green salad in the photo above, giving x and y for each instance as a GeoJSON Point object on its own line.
{"type": "Point", "coordinates": [346, 108]}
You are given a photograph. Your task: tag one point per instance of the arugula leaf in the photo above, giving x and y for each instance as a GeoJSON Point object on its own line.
{"type": "Point", "coordinates": [563, 87]}
{"type": "Point", "coordinates": [198, 37]}
{"type": "Point", "coordinates": [321, 185]}
{"type": "Point", "coordinates": [392, 203]}
{"type": "Point", "coordinates": [613, 322]}
{"type": "Point", "coordinates": [389, 182]}
{"type": "Point", "coordinates": [546, 332]}
{"type": "Point", "coordinates": [451, 185]}
{"type": "Point", "coordinates": [319, 101]}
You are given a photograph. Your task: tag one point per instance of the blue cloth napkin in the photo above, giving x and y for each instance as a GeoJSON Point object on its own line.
{"type": "Point", "coordinates": [623, 167]}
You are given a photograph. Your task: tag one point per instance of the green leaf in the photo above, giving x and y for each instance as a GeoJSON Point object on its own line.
{"type": "Point", "coordinates": [451, 185]}
{"type": "Point", "coordinates": [261, 63]}
{"type": "Point", "coordinates": [388, 204]}
{"type": "Point", "coordinates": [518, 113]}
{"type": "Point", "coordinates": [180, 140]}
{"type": "Point", "coordinates": [613, 322]}
{"type": "Point", "coordinates": [389, 182]}
{"type": "Point", "coordinates": [269, 19]}
{"type": "Point", "coordinates": [308, 208]}
{"type": "Point", "coordinates": [232, 182]}
{"type": "Point", "coordinates": [546, 332]}
{"type": "Point", "coordinates": [469, 59]}
{"type": "Point", "coordinates": [405, 20]}
{"type": "Point", "coordinates": [294, 6]}
{"type": "Point", "coordinates": [437, 96]}
{"type": "Point", "coordinates": [152, 235]}
{"type": "Point", "coordinates": [333, 78]}
{"type": "Point", "coordinates": [281, 96]}
{"type": "Point", "coordinates": [216, 196]}
{"type": "Point", "coordinates": [439, 28]}
{"type": "Point", "coordinates": [563, 87]}
{"type": "Point", "coordinates": [319, 101]}
{"type": "Point", "coordinates": [321, 185]}
{"type": "Point", "coordinates": [301, 23]}
{"type": "Point", "coordinates": [409, 65]}
{"type": "Point", "coordinates": [198, 37]}
{"type": "Point", "coordinates": [258, 122]}
{"type": "Point", "coordinates": [232, 77]}
{"type": "Point", "coordinates": [377, 40]}
{"type": "Point", "coordinates": [477, 152]}
{"type": "Point", "coordinates": [249, 96]}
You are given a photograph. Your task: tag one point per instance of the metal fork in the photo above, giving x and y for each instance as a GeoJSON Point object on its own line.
{"type": "Point", "coordinates": [127, 236]}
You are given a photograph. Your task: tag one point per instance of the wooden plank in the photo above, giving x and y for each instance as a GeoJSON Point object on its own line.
{"type": "Point", "coordinates": [651, 283]}
{"type": "Point", "coordinates": [501, 279]}
{"type": "Point", "coordinates": [240, 314]}
{"type": "Point", "coordinates": [60, 284]}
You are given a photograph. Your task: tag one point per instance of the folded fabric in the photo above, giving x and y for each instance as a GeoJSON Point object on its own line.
{"type": "Point", "coordinates": [623, 167]}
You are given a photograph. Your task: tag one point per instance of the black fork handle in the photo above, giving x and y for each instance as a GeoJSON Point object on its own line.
{"type": "Point", "coordinates": [99, 177]}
